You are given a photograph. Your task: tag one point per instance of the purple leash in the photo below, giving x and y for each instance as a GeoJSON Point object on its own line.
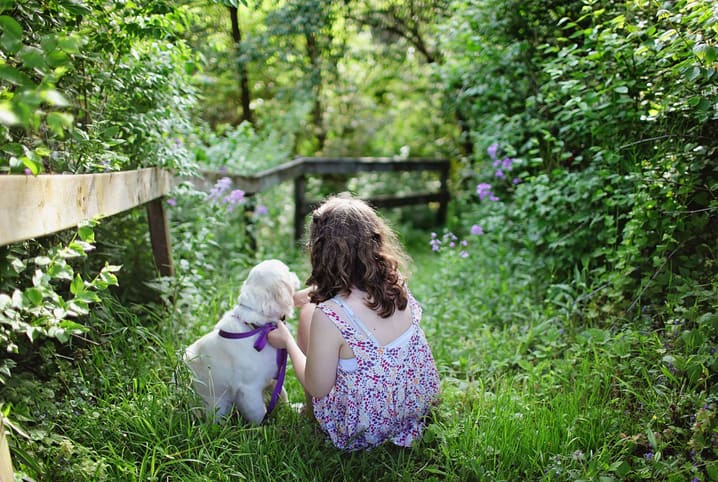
{"type": "Point", "coordinates": [259, 345]}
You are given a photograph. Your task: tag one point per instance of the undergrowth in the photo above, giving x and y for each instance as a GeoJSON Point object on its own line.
{"type": "Point", "coordinates": [528, 393]}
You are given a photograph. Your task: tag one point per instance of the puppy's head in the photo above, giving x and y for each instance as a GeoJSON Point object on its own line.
{"type": "Point", "coordinates": [268, 291]}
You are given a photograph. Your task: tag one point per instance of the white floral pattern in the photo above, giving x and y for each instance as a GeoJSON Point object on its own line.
{"type": "Point", "coordinates": [390, 393]}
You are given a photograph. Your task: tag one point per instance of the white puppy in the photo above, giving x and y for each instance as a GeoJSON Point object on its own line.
{"type": "Point", "coordinates": [231, 372]}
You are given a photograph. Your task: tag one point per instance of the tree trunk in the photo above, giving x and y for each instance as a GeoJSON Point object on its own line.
{"type": "Point", "coordinates": [316, 78]}
{"type": "Point", "coordinates": [245, 94]}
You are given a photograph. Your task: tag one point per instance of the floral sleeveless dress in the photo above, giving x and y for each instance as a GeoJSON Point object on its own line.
{"type": "Point", "coordinates": [388, 392]}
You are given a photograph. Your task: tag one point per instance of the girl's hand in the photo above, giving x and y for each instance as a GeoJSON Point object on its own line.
{"type": "Point", "coordinates": [280, 337]}
{"type": "Point", "coordinates": [301, 297]}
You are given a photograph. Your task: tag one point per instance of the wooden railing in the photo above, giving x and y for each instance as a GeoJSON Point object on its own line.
{"type": "Point", "coordinates": [298, 170]}
{"type": "Point", "coordinates": [33, 206]}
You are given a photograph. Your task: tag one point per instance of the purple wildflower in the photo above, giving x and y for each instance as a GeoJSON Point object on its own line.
{"type": "Point", "coordinates": [172, 201]}
{"type": "Point", "coordinates": [220, 187]}
{"type": "Point", "coordinates": [483, 190]}
{"type": "Point", "coordinates": [477, 230]}
{"type": "Point", "coordinates": [235, 197]}
{"type": "Point", "coordinates": [464, 243]}
{"type": "Point", "coordinates": [261, 210]}
{"type": "Point", "coordinates": [500, 174]}
{"type": "Point", "coordinates": [648, 455]}
{"type": "Point", "coordinates": [464, 254]}
{"type": "Point", "coordinates": [516, 180]}
{"type": "Point", "coordinates": [28, 171]}
{"type": "Point", "coordinates": [450, 237]}
{"type": "Point", "coordinates": [497, 163]}
{"type": "Point", "coordinates": [492, 150]}
{"type": "Point", "coordinates": [507, 163]}
{"type": "Point", "coordinates": [434, 242]}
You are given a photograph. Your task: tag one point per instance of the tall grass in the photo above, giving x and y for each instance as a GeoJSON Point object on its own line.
{"type": "Point", "coordinates": [527, 394]}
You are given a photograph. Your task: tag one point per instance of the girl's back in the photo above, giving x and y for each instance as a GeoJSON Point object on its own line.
{"type": "Point", "coordinates": [386, 385]}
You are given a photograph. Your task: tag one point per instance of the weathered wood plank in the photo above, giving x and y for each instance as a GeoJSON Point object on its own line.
{"type": "Point", "coordinates": [262, 180]}
{"type": "Point", "coordinates": [160, 236]}
{"type": "Point", "coordinates": [7, 473]}
{"type": "Point", "coordinates": [321, 165]}
{"type": "Point", "coordinates": [34, 206]}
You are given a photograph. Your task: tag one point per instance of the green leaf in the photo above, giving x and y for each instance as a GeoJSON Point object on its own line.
{"type": "Point", "coordinates": [53, 97]}
{"type": "Point", "coordinates": [6, 5]}
{"type": "Point", "coordinates": [34, 167]}
{"type": "Point", "coordinates": [712, 469]}
{"type": "Point", "coordinates": [11, 38]}
{"type": "Point", "coordinates": [76, 7]}
{"type": "Point", "coordinates": [59, 121]}
{"type": "Point", "coordinates": [86, 233]}
{"type": "Point", "coordinates": [32, 57]}
{"type": "Point", "coordinates": [34, 296]}
{"type": "Point", "coordinates": [621, 89]}
{"type": "Point", "coordinates": [77, 286]}
{"type": "Point", "coordinates": [14, 76]}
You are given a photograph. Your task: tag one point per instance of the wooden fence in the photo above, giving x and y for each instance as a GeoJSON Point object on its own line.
{"type": "Point", "coordinates": [298, 170]}
{"type": "Point", "coordinates": [34, 206]}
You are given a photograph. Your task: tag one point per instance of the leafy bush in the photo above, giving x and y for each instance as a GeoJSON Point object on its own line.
{"type": "Point", "coordinates": [46, 294]}
{"type": "Point", "coordinates": [94, 86]}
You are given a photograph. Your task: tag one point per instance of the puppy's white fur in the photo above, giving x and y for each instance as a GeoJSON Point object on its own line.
{"type": "Point", "coordinates": [230, 372]}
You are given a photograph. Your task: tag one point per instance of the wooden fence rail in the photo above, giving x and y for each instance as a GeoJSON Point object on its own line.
{"type": "Point", "coordinates": [34, 206]}
{"type": "Point", "coordinates": [299, 168]}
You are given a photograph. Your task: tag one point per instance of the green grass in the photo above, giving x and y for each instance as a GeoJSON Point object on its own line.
{"type": "Point", "coordinates": [528, 393]}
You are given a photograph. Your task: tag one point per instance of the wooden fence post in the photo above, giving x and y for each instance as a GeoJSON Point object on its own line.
{"type": "Point", "coordinates": [160, 236]}
{"type": "Point", "coordinates": [300, 183]}
{"type": "Point", "coordinates": [6, 470]}
{"type": "Point", "coordinates": [445, 196]}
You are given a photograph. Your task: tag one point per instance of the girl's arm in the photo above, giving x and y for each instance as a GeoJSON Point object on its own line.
{"type": "Point", "coordinates": [325, 341]}
{"type": "Point", "coordinates": [317, 370]}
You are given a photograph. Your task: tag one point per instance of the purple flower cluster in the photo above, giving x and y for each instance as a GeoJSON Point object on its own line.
{"type": "Point", "coordinates": [451, 241]}
{"type": "Point", "coordinates": [484, 191]}
{"type": "Point", "coordinates": [233, 198]}
{"type": "Point", "coordinates": [261, 210]}
{"type": "Point", "coordinates": [219, 194]}
{"type": "Point", "coordinates": [502, 166]}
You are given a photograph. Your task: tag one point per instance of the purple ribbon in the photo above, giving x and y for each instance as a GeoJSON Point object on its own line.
{"type": "Point", "coordinates": [259, 345]}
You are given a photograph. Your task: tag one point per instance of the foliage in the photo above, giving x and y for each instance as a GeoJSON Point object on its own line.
{"type": "Point", "coordinates": [58, 294]}
{"type": "Point", "coordinates": [93, 86]}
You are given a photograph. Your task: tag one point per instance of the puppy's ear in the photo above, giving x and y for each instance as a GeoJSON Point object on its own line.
{"type": "Point", "coordinates": [282, 294]}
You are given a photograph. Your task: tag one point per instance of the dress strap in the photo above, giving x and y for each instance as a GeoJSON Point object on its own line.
{"type": "Point", "coordinates": [355, 337]}
{"type": "Point", "coordinates": [358, 325]}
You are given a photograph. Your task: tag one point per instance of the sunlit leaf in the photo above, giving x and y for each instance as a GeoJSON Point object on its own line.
{"type": "Point", "coordinates": [33, 295]}
{"type": "Point", "coordinates": [53, 97]}
{"type": "Point", "coordinates": [77, 286]}
{"type": "Point", "coordinates": [7, 116]}
{"type": "Point", "coordinates": [11, 38]}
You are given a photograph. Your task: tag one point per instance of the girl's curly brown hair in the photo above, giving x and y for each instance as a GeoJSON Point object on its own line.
{"type": "Point", "coordinates": [350, 245]}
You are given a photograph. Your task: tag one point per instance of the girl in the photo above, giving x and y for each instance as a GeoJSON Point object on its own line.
{"type": "Point", "coordinates": [360, 354]}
